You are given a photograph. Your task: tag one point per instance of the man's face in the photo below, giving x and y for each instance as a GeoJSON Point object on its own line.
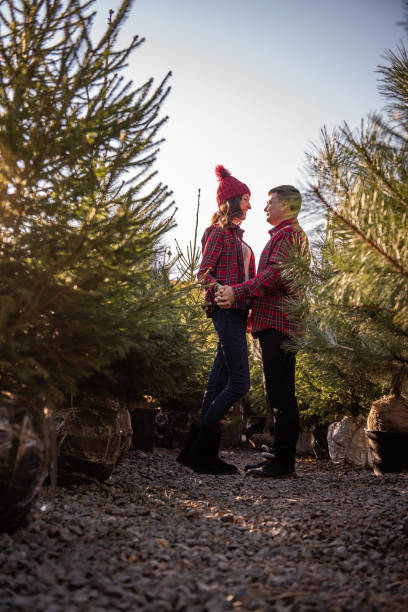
{"type": "Point", "coordinates": [276, 211]}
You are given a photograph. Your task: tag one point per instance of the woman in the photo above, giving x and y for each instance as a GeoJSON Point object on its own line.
{"type": "Point", "coordinates": [226, 260]}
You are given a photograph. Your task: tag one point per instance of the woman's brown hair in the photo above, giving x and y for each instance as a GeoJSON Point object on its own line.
{"type": "Point", "coordinates": [227, 211]}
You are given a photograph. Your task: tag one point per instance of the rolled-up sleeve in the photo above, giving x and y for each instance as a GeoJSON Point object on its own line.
{"type": "Point", "coordinates": [270, 277]}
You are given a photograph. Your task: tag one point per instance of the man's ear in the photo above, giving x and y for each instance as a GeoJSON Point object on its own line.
{"type": "Point", "coordinates": [286, 206]}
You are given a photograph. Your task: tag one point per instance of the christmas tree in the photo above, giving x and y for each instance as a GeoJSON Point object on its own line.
{"type": "Point", "coordinates": [81, 223]}
{"type": "Point", "coordinates": [358, 308]}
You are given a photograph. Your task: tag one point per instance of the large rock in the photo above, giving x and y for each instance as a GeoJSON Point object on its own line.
{"type": "Point", "coordinates": [387, 432]}
{"type": "Point", "coordinates": [389, 413]}
{"type": "Point", "coordinates": [24, 446]}
{"type": "Point", "coordinates": [348, 443]}
{"type": "Point", "coordinates": [92, 438]}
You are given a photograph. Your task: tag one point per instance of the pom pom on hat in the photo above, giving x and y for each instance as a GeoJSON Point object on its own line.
{"type": "Point", "coordinates": [221, 172]}
{"type": "Point", "coordinates": [229, 186]}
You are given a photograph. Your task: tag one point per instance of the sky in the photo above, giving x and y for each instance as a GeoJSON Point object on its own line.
{"type": "Point", "coordinates": [253, 82]}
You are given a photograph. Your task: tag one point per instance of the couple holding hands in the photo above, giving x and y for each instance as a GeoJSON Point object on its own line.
{"type": "Point", "coordinates": [239, 298]}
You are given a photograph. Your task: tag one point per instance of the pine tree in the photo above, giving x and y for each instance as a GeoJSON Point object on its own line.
{"type": "Point", "coordinates": [171, 361]}
{"type": "Point", "coordinates": [81, 225]}
{"type": "Point", "coordinates": [199, 328]}
{"type": "Point", "coordinates": [358, 306]}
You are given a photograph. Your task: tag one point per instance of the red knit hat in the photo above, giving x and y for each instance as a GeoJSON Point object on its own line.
{"type": "Point", "coordinates": [229, 186]}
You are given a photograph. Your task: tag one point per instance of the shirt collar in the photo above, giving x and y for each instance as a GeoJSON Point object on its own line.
{"type": "Point", "coordinates": [238, 229]}
{"type": "Point", "coordinates": [286, 222]}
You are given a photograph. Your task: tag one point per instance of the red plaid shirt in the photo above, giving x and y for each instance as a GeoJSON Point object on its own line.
{"type": "Point", "coordinates": [270, 309]}
{"type": "Point", "coordinates": [223, 262]}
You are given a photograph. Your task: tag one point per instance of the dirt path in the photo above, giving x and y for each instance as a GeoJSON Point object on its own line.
{"type": "Point", "coordinates": [157, 537]}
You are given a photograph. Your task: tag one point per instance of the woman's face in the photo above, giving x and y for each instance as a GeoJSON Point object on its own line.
{"type": "Point", "coordinates": [245, 205]}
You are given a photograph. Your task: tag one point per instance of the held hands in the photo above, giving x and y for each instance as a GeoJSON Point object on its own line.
{"type": "Point", "coordinates": [224, 296]}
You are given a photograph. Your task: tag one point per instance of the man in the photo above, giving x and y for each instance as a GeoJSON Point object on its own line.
{"type": "Point", "coordinates": [272, 322]}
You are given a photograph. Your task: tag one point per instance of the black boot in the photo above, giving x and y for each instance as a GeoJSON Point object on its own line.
{"type": "Point", "coordinates": [273, 469]}
{"type": "Point", "coordinates": [184, 455]}
{"type": "Point", "coordinates": [204, 453]}
{"type": "Point", "coordinates": [268, 453]}
{"type": "Point", "coordinates": [228, 468]}
{"type": "Point", "coordinates": [253, 466]}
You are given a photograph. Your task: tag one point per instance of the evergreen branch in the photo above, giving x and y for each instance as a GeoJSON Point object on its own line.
{"type": "Point", "coordinates": [360, 234]}
{"type": "Point", "coordinates": [374, 168]}
{"type": "Point", "coordinates": [115, 24]}
{"type": "Point", "coordinates": [85, 23]}
{"type": "Point", "coordinates": [374, 310]}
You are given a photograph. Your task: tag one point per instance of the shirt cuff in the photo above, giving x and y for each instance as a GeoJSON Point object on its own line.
{"type": "Point", "coordinates": [240, 291]}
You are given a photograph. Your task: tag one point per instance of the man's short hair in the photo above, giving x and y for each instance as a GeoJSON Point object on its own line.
{"type": "Point", "coordinates": [289, 193]}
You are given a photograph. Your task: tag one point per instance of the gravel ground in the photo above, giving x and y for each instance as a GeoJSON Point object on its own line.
{"type": "Point", "coordinates": [157, 537]}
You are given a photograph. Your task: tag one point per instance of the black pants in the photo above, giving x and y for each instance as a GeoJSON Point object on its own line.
{"type": "Point", "coordinates": [279, 381]}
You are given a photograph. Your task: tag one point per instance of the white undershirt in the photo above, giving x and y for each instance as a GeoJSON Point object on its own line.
{"type": "Point", "coordinates": [246, 254]}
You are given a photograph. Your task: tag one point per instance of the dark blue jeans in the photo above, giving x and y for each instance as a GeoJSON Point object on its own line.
{"type": "Point", "coordinates": [229, 378]}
